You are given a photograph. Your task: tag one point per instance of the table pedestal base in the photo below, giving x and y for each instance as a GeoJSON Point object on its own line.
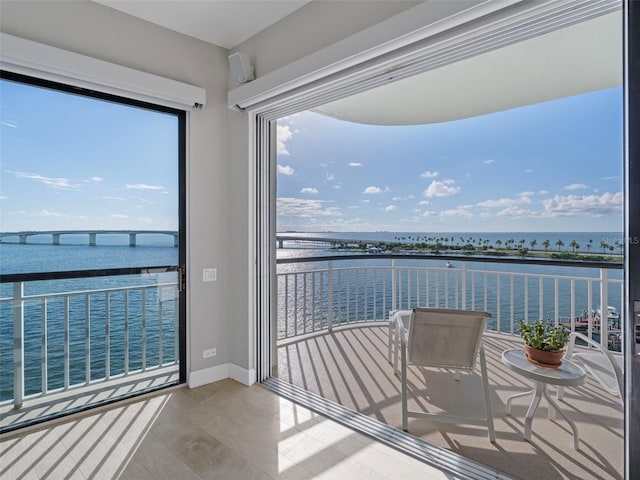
{"type": "Point", "coordinates": [540, 389]}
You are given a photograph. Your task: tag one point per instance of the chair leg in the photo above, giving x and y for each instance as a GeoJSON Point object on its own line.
{"type": "Point", "coordinates": [391, 332]}
{"type": "Point", "coordinates": [403, 390]}
{"type": "Point", "coordinates": [487, 396]}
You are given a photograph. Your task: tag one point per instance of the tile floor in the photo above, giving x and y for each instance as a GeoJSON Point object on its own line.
{"type": "Point", "coordinates": [219, 431]}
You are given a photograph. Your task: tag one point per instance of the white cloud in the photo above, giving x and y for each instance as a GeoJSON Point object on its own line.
{"type": "Point", "coordinates": [428, 174]}
{"type": "Point", "coordinates": [611, 178]}
{"type": "Point", "coordinates": [424, 202]}
{"type": "Point", "coordinates": [594, 205]}
{"type": "Point", "coordinates": [372, 190]}
{"type": "Point", "coordinates": [543, 192]}
{"type": "Point", "coordinates": [440, 189]}
{"type": "Point", "coordinates": [505, 202]}
{"type": "Point", "coordinates": [390, 208]}
{"type": "Point", "coordinates": [575, 186]}
{"type": "Point", "coordinates": [528, 170]}
{"type": "Point", "coordinates": [302, 207]}
{"type": "Point", "coordinates": [429, 214]}
{"type": "Point", "coordinates": [525, 194]}
{"type": "Point", "coordinates": [143, 186]}
{"type": "Point", "coordinates": [355, 164]}
{"type": "Point", "coordinates": [9, 123]}
{"type": "Point", "coordinates": [3, 197]}
{"type": "Point", "coordinates": [118, 215]}
{"type": "Point", "coordinates": [517, 212]}
{"type": "Point", "coordinates": [309, 190]}
{"type": "Point", "coordinates": [59, 183]}
{"type": "Point", "coordinates": [97, 179]}
{"type": "Point", "coordinates": [285, 169]}
{"type": "Point", "coordinates": [488, 162]}
{"type": "Point", "coordinates": [113, 198]}
{"type": "Point", "coordinates": [461, 211]}
{"type": "Point", "coordinates": [48, 213]}
{"type": "Point", "coordinates": [283, 136]}
{"type": "Point", "coordinates": [406, 197]}
{"type": "Point", "coordinates": [329, 176]}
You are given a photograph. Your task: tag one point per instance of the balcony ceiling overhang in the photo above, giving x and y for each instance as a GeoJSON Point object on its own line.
{"type": "Point", "coordinates": [577, 59]}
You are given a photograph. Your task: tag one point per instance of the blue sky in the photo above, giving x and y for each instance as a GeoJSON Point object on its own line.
{"type": "Point", "coordinates": [69, 162]}
{"type": "Point", "coordinates": [554, 166]}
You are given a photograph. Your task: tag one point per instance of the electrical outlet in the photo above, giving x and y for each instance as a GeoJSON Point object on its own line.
{"type": "Point", "coordinates": [211, 352]}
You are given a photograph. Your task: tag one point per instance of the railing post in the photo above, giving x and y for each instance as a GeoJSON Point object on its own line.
{"type": "Point", "coordinates": [394, 300]}
{"type": "Point", "coordinates": [604, 310]}
{"type": "Point", "coordinates": [463, 285]}
{"type": "Point", "coordinates": [18, 344]}
{"type": "Point", "coordinates": [329, 297]}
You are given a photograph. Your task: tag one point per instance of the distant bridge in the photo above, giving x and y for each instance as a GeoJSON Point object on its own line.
{"type": "Point", "coordinates": [91, 234]}
{"type": "Point", "coordinates": [311, 241]}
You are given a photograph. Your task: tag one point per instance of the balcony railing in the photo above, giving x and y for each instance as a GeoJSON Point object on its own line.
{"type": "Point", "coordinates": [56, 335]}
{"type": "Point", "coordinates": [316, 294]}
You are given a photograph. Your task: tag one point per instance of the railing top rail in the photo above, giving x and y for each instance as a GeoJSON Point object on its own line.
{"type": "Point", "coordinates": [103, 272]}
{"type": "Point", "coordinates": [459, 258]}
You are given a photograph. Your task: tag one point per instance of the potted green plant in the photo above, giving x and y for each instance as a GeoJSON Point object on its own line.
{"type": "Point", "coordinates": [544, 342]}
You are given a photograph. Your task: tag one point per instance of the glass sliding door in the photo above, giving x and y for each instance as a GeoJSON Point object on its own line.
{"type": "Point", "coordinates": [92, 249]}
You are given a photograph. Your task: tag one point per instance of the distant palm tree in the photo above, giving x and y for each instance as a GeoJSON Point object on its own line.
{"type": "Point", "coordinates": [533, 243]}
{"type": "Point", "coordinates": [559, 243]}
{"type": "Point", "coordinates": [619, 245]}
{"type": "Point", "coordinates": [546, 244]}
{"type": "Point", "coordinates": [574, 245]}
{"type": "Point", "coordinates": [603, 245]}
{"type": "Point", "coordinates": [498, 243]}
{"type": "Point", "coordinates": [589, 245]}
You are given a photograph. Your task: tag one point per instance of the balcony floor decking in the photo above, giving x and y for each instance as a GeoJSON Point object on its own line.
{"type": "Point", "coordinates": [349, 366]}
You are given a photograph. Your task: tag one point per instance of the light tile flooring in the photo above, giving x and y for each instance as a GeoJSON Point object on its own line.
{"type": "Point", "coordinates": [219, 431]}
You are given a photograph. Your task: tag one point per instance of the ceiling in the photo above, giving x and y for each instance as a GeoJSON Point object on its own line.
{"type": "Point", "coordinates": [225, 23]}
{"type": "Point", "coordinates": [577, 59]}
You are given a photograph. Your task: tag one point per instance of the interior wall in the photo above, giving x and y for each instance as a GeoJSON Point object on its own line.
{"type": "Point", "coordinates": [94, 30]}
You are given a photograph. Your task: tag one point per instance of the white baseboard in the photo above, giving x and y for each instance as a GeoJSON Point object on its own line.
{"type": "Point", "coordinates": [220, 372]}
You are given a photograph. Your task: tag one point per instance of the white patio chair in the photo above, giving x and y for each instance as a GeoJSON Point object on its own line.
{"type": "Point", "coordinates": [450, 339]}
{"type": "Point", "coordinates": [398, 325]}
{"type": "Point", "coordinates": [598, 362]}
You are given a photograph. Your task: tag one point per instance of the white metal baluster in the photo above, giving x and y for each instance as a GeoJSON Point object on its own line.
{"type": "Point", "coordinates": [526, 299]}
{"type": "Point", "coordinates": [604, 308]}
{"type": "Point", "coordinates": [473, 290]}
{"type": "Point", "coordinates": [409, 303]}
{"type": "Point", "coordinates": [18, 344]}
{"type": "Point", "coordinates": [304, 300]}
{"type": "Point", "coordinates": [572, 319]}
{"type": "Point", "coordinates": [437, 293]}
{"type": "Point", "coordinates": [126, 332]}
{"type": "Point", "coordinates": [143, 333]}
{"type": "Point", "coordinates": [394, 299]}
{"type": "Point", "coordinates": [446, 289]}
{"type": "Point", "coordinates": [66, 342]}
{"type": "Point", "coordinates": [330, 297]}
{"type": "Point", "coordinates": [176, 328]}
{"type": "Point", "coordinates": [556, 300]}
{"type": "Point", "coordinates": [590, 311]}
{"type": "Point", "coordinates": [428, 287]}
{"type": "Point", "coordinates": [498, 276]}
{"type": "Point", "coordinates": [313, 301]}
{"type": "Point", "coordinates": [107, 335]}
{"type": "Point", "coordinates": [463, 288]}
{"type": "Point", "coordinates": [286, 305]}
{"type": "Point", "coordinates": [87, 339]}
{"type": "Point", "coordinates": [541, 298]}
{"type": "Point", "coordinates": [44, 347]}
{"type": "Point", "coordinates": [295, 303]}
{"type": "Point", "coordinates": [375, 294]}
{"type": "Point", "coordinates": [512, 311]}
{"type": "Point", "coordinates": [160, 332]}
{"type": "Point", "coordinates": [485, 293]}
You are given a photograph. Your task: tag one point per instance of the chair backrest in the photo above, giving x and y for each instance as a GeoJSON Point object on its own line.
{"type": "Point", "coordinates": [445, 337]}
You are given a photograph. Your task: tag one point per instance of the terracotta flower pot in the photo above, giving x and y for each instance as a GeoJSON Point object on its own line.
{"type": "Point", "coordinates": [543, 358]}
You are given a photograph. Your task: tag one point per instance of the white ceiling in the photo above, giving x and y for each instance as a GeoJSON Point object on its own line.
{"type": "Point", "coordinates": [225, 23]}
{"type": "Point", "coordinates": [570, 61]}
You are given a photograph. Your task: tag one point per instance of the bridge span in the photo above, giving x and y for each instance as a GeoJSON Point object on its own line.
{"type": "Point", "coordinates": [91, 234]}
{"type": "Point", "coordinates": [312, 241]}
